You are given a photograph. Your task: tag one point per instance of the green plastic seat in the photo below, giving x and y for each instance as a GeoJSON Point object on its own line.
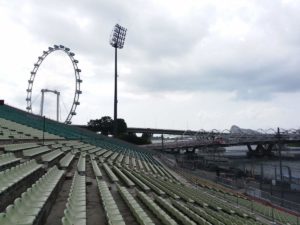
{"type": "Point", "coordinates": [30, 200]}
{"type": "Point", "coordinates": [36, 194]}
{"type": "Point", "coordinates": [72, 218]}
{"type": "Point", "coordinates": [18, 218]}
{"type": "Point", "coordinates": [25, 208]}
{"type": "Point", "coordinates": [78, 211]}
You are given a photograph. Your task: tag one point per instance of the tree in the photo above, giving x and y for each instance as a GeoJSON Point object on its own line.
{"type": "Point", "coordinates": [132, 138]}
{"type": "Point", "coordinates": [103, 125]}
{"type": "Point", "coordinates": [122, 126]}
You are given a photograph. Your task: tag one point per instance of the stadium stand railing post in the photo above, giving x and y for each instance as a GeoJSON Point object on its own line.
{"type": "Point", "coordinates": [44, 128]}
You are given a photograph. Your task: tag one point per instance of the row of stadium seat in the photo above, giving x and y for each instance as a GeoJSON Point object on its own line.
{"type": "Point", "coordinates": [173, 189]}
{"type": "Point", "coordinates": [18, 147]}
{"type": "Point", "coordinates": [110, 173]}
{"type": "Point", "coordinates": [75, 212]}
{"type": "Point", "coordinates": [30, 153]}
{"type": "Point", "coordinates": [112, 212]}
{"type": "Point", "coordinates": [96, 169]}
{"type": "Point", "coordinates": [66, 160]}
{"type": "Point", "coordinates": [173, 211]}
{"type": "Point", "coordinates": [159, 186]}
{"type": "Point", "coordinates": [134, 207]}
{"type": "Point", "coordinates": [51, 156]}
{"type": "Point", "coordinates": [156, 209]}
{"type": "Point", "coordinates": [8, 159]}
{"type": "Point", "coordinates": [17, 130]}
{"type": "Point", "coordinates": [153, 187]}
{"type": "Point", "coordinates": [13, 175]}
{"type": "Point", "coordinates": [197, 218]}
{"type": "Point", "coordinates": [126, 180]}
{"type": "Point", "coordinates": [138, 182]}
{"type": "Point", "coordinates": [63, 130]}
{"type": "Point", "coordinates": [81, 165]}
{"type": "Point", "coordinates": [28, 209]}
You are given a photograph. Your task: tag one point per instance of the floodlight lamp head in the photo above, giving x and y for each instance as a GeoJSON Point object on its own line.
{"type": "Point", "coordinates": [117, 37]}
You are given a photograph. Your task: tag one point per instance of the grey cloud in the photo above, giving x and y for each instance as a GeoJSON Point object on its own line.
{"type": "Point", "coordinates": [170, 54]}
{"type": "Point", "coordinates": [247, 83]}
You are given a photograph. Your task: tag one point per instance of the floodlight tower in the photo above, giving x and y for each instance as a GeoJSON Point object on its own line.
{"type": "Point", "coordinates": [117, 39]}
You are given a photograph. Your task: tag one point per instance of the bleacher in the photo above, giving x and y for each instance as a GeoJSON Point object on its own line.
{"type": "Point", "coordinates": [63, 177]}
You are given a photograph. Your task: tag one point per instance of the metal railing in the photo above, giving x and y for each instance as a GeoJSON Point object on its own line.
{"type": "Point", "coordinates": [266, 196]}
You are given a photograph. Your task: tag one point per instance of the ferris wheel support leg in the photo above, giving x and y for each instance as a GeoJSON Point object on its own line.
{"type": "Point", "coordinates": [57, 107]}
{"type": "Point", "coordinates": [42, 102]}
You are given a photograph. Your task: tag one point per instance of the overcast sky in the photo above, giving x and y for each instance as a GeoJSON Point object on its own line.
{"type": "Point", "coordinates": [193, 64]}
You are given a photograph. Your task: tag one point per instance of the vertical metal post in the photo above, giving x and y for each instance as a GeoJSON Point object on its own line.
{"type": "Point", "coordinates": [271, 188]}
{"type": "Point", "coordinates": [261, 176]}
{"type": "Point", "coordinates": [162, 142]}
{"type": "Point", "coordinates": [57, 107]}
{"type": "Point", "coordinates": [42, 102]}
{"type": "Point", "coordinates": [280, 164]}
{"type": "Point", "coordinates": [44, 128]}
{"type": "Point", "coordinates": [116, 95]}
{"type": "Point", "coordinates": [273, 213]}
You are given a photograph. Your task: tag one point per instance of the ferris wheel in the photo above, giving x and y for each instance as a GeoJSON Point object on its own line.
{"type": "Point", "coordinates": [78, 81]}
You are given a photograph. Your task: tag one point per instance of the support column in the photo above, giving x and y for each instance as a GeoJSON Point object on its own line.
{"type": "Point", "coordinates": [280, 162]}
{"type": "Point", "coordinates": [162, 141]}
{"type": "Point", "coordinates": [57, 106]}
{"type": "Point", "coordinates": [116, 95]}
{"type": "Point", "coordinates": [42, 102]}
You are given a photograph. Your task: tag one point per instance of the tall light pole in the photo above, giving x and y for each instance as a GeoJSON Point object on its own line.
{"type": "Point", "coordinates": [117, 39]}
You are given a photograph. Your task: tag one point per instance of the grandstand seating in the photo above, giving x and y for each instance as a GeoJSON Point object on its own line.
{"type": "Point", "coordinates": [137, 181]}
{"type": "Point", "coordinates": [126, 180]}
{"type": "Point", "coordinates": [96, 169]}
{"type": "Point", "coordinates": [81, 165]}
{"type": "Point", "coordinates": [75, 212]}
{"type": "Point", "coordinates": [156, 209]}
{"type": "Point", "coordinates": [14, 130]}
{"type": "Point", "coordinates": [7, 160]}
{"type": "Point", "coordinates": [111, 209]}
{"type": "Point", "coordinates": [173, 211]}
{"type": "Point", "coordinates": [30, 153]}
{"type": "Point", "coordinates": [18, 147]}
{"type": "Point", "coordinates": [110, 173]}
{"type": "Point", "coordinates": [135, 207]}
{"type": "Point", "coordinates": [11, 176]}
{"type": "Point", "coordinates": [66, 160]}
{"type": "Point", "coordinates": [126, 177]}
{"type": "Point", "coordinates": [29, 208]}
{"type": "Point", "coordinates": [51, 156]}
